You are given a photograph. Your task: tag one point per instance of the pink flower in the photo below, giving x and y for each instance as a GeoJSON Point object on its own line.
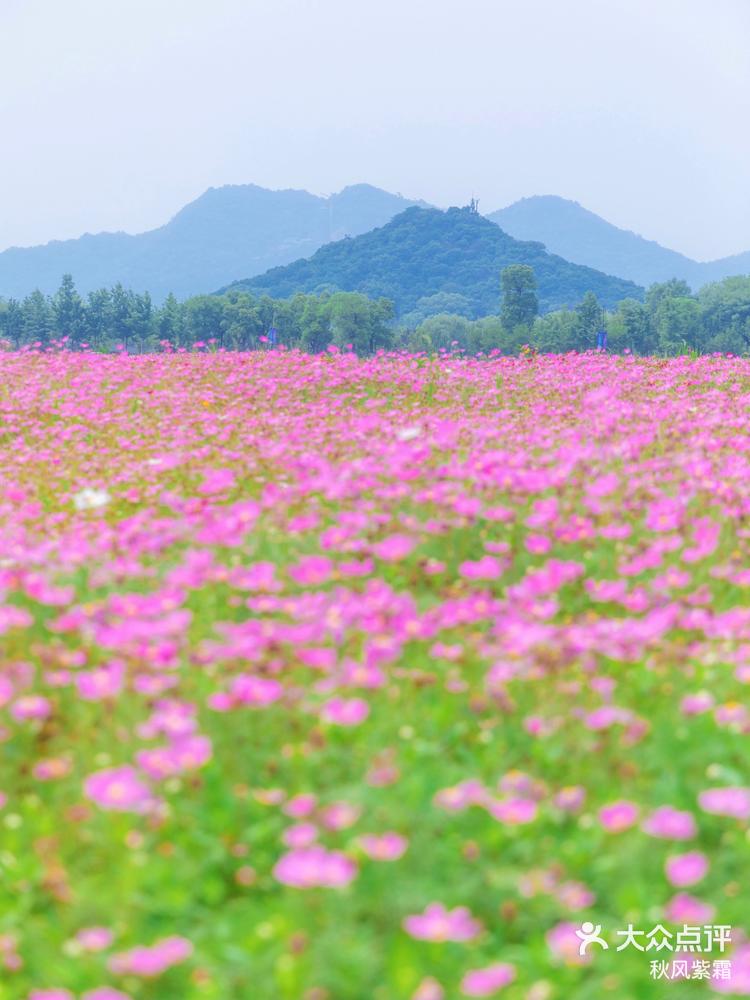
{"type": "Point", "coordinates": [570, 798]}
{"type": "Point", "coordinates": [694, 704]}
{"type": "Point", "coordinates": [6, 691]}
{"type": "Point", "coordinates": [394, 548]}
{"type": "Point", "coordinates": [105, 993]}
{"type": "Point", "coordinates": [94, 938]}
{"type": "Point", "coordinates": [217, 481]}
{"type": "Point", "coordinates": [384, 846]}
{"type": "Point", "coordinates": [686, 869]}
{"type": "Point", "coordinates": [670, 824]}
{"type": "Point", "coordinates": [564, 944]}
{"type": "Point", "coordinates": [575, 896]}
{"type": "Point", "coordinates": [488, 981]}
{"type": "Point", "coordinates": [250, 690]}
{"type": "Point", "coordinates": [733, 802]}
{"type": "Point", "coordinates": [604, 486]}
{"type": "Point", "coordinates": [618, 816]}
{"type": "Point", "coordinates": [152, 961]}
{"type": "Point", "coordinates": [51, 995]}
{"type": "Point", "coordinates": [118, 788]}
{"type": "Point", "coordinates": [460, 797]}
{"type": "Point", "coordinates": [513, 811]}
{"type": "Point", "coordinates": [429, 989]}
{"type": "Point", "coordinates": [309, 867]}
{"type": "Point", "coordinates": [340, 815]}
{"type": "Point", "coordinates": [312, 570]}
{"type": "Point", "coordinates": [606, 716]}
{"type": "Point", "coordinates": [300, 805]}
{"type": "Point", "coordinates": [345, 711]}
{"type": "Point", "coordinates": [686, 909]}
{"type": "Point", "coordinates": [537, 544]}
{"type": "Point", "coordinates": [300, 835]}
{"type": "Point", "coordinates": [96, 685]}
{"type": "Point", "coordinates": [486, 568]}
{"type": "Point", "coordinates": [439, 924]}
{"type": "Point", "coordinates": [31, 706]}
{"type": "Point", "coordinates": [739, 983]}
{"type": "Point", "coordinates": [665, 514]}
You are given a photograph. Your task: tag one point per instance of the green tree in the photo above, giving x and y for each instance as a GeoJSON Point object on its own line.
{"type": "Point", "coordinates": [677, 322]}
{"type": "Point", "coordinates": [205, 315]}
{"type": "Point", "coordinates": [141, 320]}
{"type": "Point", "coordinates": [170, 321]}
{"type": "Point", "coordinates": [445, 332]}
{"type": "Point", "coordinates": [11, 321]}
{"type": "Point", "coordinates": [242, 321]}
{"type": "Point", "coordinates": [589, 319]}
{"type": "Point", "coordinates": [725, 315]}
{"type": "Point", "coordinates": [98, 319]}
{"type": "Point", "coordinates": [315, 324]}
{"type": "Point", "coordinates": [556, 333]}
{"type": "Point", "coordinates": [630, 328]}
{"type": "Point", "coordinates": [359, 321]}
{"type": "Point", "coordinates": [67, 309]}
{"type": "Point", "coordinates": [673, 289]}
{"type": "Point", "coordinates": [520, 305]}
{"type": "Point", "coordinates": [38, 320]}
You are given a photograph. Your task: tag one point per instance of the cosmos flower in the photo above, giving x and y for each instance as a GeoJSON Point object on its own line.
{"type": "Point", "coordinates": [437, 923]}
{"type": "Point", "coordinates": [120, 789]}
{"type": "Point", "coordinates": [488, 981]}
{"type": "Point", "coordinates": [309, 867]}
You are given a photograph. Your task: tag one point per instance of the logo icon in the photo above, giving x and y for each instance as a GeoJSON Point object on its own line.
{"type": "Point", "coordinates": [589, 934]}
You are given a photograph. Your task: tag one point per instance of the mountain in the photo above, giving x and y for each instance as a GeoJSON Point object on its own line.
{"type": "Point", "coordinates": [228, 233]}
{"type": "Point", "coordinates": [568, 229]}
{"type": "Point", "coordinates": [423, 252]}
{"type": "Point", "coordinates": [725, 267]}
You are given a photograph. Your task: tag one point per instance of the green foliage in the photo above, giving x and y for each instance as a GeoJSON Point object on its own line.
{"type": "Point", "coordinates": [440, 304]}
{"type": "Point", "coordinates": [424, 255]}
{"type": "Point", "coordinates": [110, 318]}
{"type": "Point", "coordinates": [520, 305]}
{"type": "Point", "coordinates": [670, 322]}
{"type": "Point", "coordinates": [589, 317]}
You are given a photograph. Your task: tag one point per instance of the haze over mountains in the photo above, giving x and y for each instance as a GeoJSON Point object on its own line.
{"type": "Point", "coordinates": [424, 253]}
{"type": "Point", "coordinates": [568, 229]}
{"type": "Point", "coordinates": [228, 233]}
{"type": "Point", "coordinates": [238, 232]}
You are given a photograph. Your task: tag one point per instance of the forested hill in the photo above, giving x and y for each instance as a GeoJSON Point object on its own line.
{"type": "Point", "coordinates": [424, 252]}
{"type": "Point", "coordinates": [569, 229]}
{"type": "Point", "coordinates": [228, 233]}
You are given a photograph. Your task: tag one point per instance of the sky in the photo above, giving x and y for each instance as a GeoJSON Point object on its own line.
{"type": "Point", "coordinates": [116, 113]}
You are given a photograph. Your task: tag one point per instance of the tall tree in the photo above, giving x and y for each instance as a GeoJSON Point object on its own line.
{"type": "Point", "coordinates": [11, 321]}
{"type": "Point", "coordinates": [38, 320]}
{"type": "Point", "coordinates": [520, 304]}
{"type": "Point", "coordinates": [98, 315]}
{"type": "Point", "coordinates": [589, 319]}
{"type": "Point", "coordinates": [67, 309]}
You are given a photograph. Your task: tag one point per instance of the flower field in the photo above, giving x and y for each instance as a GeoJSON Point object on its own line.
{"type": "Point", "coordinates": [325, 678]}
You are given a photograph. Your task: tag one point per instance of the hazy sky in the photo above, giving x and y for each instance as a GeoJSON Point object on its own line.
{"type": "Point", "coordinates": [115, 113]}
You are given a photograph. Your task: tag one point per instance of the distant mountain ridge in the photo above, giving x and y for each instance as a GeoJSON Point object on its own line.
{"type": "Point", "coordinates": [238, 232]}
{"type": "Point", "coordinates": [568, 229]}
{"type": "Point", "coordinates": [424, 252]}
{"type": "Point", "coordinates": [226, 234]}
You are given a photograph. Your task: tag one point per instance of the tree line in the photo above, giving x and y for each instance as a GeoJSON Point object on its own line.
{"type": "Point", "coordinates": [671, 320]}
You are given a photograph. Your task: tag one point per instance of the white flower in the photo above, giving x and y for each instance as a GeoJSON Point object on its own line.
{"type": "Point", "coordinates": [408, 433]}
{"type": "Point", "coordinates": [89, 499]}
